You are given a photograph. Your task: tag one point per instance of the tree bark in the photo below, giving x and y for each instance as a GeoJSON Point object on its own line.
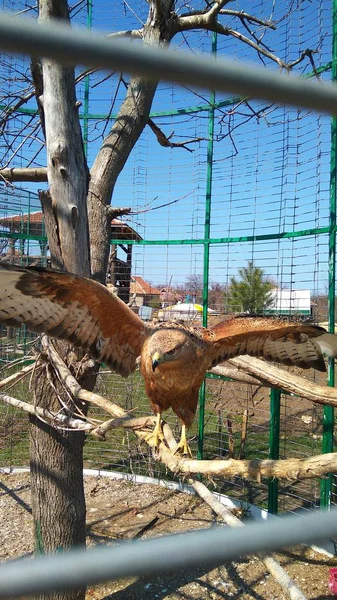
{"type": "Point", "coordinates": [66, 164]}
{"type": "Point", "coordinates": [58, 502]}
{"type": "Point", "coordinates": [109, 162]}
{"type": "Point", "coordinates": [117, 146]}
{"type": "Point", "coordinates": [57, 456]}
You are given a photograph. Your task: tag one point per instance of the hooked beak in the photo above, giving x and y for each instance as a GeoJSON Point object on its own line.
{"type": "Point", "coordinates": [156, 360]}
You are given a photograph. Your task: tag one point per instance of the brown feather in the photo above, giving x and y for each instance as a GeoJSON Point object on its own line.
{"type": "Point", "coordinates": [285, 342]}
{"type": "Point", "coordinates": [85, 313]}
{"type": "Point", "coordinates": [73, 308]}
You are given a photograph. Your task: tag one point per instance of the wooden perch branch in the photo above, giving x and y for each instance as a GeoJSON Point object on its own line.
{"type": "Point", "coordinates": [12, 379]}
{"type": "Point", "coordinates": [273, 566]}
{"type": "Point", "coordinates": [275, 377]}
{"type": "Point", "coordinates": [117, 211]}
{"type": "Point", "coordinates": [236, 374]}
{"type": "Point", "coordinates": [24, 174]}
{"type": "Point", "coordinates": [249, 469]}
{"type": "Point", "coordinates": [291, 469]}
{"type": "Point", "coordinates": [54, 419]}
{"type": "Point", "coordinates": [126, 421]}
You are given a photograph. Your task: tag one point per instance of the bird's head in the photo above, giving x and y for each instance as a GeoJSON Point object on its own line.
{"type": "Point", "coordinates": [167, 346]}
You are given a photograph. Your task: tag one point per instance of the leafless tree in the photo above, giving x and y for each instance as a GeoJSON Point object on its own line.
{"type": "Point", "coordinates": [78, 212]}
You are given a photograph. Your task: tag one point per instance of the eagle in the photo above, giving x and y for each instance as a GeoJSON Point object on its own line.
{"type": "Point", "coordinates": [174, 356]}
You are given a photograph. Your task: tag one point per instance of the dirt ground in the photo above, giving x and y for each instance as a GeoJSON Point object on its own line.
{"type": "Point", "coordinates": [120, 510]}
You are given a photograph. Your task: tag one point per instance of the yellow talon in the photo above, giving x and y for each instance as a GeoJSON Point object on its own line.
{"type": "Point", "coordinates": [183, 446]}
{"type": "Point", "coordinates": [156, 435]}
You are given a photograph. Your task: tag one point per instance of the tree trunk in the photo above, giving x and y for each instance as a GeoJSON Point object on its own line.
{"type": "Point", "coordinates": [57, 456]}
{"type": "Point", "coordinates": [109, 162]}
{"type": "Point", "coordinates": [67, 169]}
{"type": "Point", "coordinates": [117, 146]}
{"type": "Point", "coordinates": [58, 503]}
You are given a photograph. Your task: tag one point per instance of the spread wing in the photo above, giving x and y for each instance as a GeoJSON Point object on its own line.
{"type": "Point", "coordinates": [288, 343]}
{"type": "Point", "coordinates": [72, 308]}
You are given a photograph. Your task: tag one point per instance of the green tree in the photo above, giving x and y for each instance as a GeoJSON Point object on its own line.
{"type": "Point", "coordinates": [251, 293]}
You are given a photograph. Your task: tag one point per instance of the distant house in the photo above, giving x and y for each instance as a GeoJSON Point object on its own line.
{"type": "Point", "coordinates": [142, 292]}
{"type": "Point", "coordinates": [22, 226]}
{"type": "Point", "coordinates": [290, 303]}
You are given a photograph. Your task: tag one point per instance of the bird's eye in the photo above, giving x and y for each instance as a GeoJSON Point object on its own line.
{"type": "Point", "coordinates": [170, 352]}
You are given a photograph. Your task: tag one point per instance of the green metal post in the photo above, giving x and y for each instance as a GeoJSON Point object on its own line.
{"type": "Point", "coordinates": [328, 411]}
{"type": "Point", "coordinates": [207, 232]}
{"type": "Point", "coordinates": [87, 89]}
{"type": "Point", "coordinates": [274, 447]}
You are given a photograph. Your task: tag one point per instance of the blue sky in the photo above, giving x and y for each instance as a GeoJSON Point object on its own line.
{"type": "Point", "coordinates": [270, 176]}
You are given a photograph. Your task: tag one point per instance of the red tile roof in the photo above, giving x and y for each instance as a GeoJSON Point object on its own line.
{"type": "Point", "coordinates": [142, 288]}
{"type": "Point", "coordinates": [35, 217]}
{"type": "Point", "coordinates": [119, 229]}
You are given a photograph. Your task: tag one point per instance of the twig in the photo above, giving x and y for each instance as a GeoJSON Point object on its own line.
{"type": "Point", "coordinates": [165, 141]}
{"type": "Point", "coordinates": [231, 446]}
{"type": "Point", "coordinates": [146, 528]}
{"type": "Point", "coordinates": [16, 376]}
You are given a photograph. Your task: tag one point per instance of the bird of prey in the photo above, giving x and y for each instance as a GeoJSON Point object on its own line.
{"type": "Point", "coordinates": [174, 357]}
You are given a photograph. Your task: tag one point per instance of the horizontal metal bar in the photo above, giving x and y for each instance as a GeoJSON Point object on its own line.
{"type": "Point", "coordinates": [231, 239]}
{"type": "Point", "coordinates": [191, 242]}
{"type": "Point", "coordinates": [166, 113]}
{"type": "Point", "coordinates": [68, 46]}
{"type": "Point", "coordinates": [163, 113]}
{"type": "Point", "coordinates": [71, 570]}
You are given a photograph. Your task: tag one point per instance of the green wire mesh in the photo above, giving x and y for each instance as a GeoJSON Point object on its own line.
{"type": "Point", "coordinates": [264, 185]}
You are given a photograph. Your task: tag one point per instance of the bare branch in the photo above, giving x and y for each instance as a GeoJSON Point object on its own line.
{"type": "Point", "coordinates": [203, 21]}
{"type": "Point", "coordinates": [165, 141]}
{"type": "Point", "coordinates": [210, 12]}
{"type": "Point", "coordinates": [257, 46]}
{"type": "Point", "coordinates": [115, 211]}
{"type": "Point", "coordinates": [290, 469]}
{"type": "Point", "coordinates": [13, 108]}
{"type": "Point", "coordinates": [45, 415]}
{"type": "Point", "coordinates": [207, 19]}
{"type": "Point", "coordinates": [74, 387]}
{"type": "Point", "coordinates": [15, 377]}
{"type": "Point", "coordinates": [241, 14]}
{"type": "Point", "coordinates": [276, 377]}
{"type": "Point", "coordinates": [306, 53]}
{"type": "Point", "coordinates": [273, 566]}
{"type": "Point", "coordinates": [24, 174]}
